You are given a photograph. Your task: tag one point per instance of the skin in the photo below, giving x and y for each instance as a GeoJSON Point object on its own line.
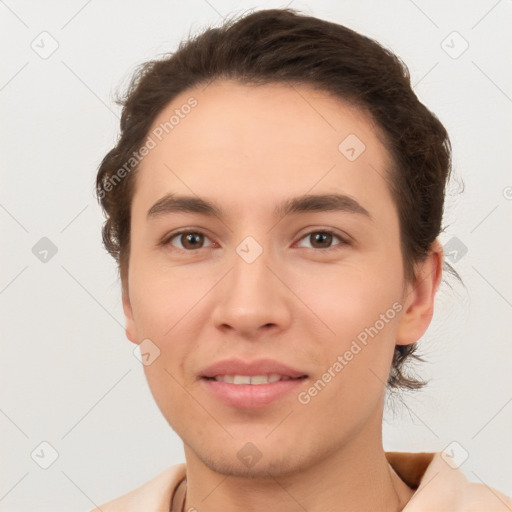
{"type": "Point", "coordinates": [247, 148]}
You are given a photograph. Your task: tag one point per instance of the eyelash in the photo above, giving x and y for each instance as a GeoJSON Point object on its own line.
{"type": "Point", "coordinates": [343, 241]}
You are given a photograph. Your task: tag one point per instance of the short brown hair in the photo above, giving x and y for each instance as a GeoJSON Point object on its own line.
{"type": "Point", "coordinates": [285, 46]}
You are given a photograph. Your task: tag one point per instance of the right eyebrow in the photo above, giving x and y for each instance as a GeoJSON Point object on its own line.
{"type": "Point", "coordinates": [188, 204]}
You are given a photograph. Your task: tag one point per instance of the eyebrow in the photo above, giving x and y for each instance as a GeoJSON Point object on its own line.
{"type": "Point", "coordinates": [172, 203]}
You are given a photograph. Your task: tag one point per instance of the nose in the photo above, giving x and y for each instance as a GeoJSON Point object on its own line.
{"type": "Point", "coordinates": [253, 298]}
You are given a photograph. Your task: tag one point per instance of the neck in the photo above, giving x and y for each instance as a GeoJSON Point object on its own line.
{"type": "Point", "coordinates": [355, 477]}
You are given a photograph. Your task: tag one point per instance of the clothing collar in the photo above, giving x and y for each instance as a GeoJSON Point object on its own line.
{"type": "Point", "coordinates": [438, 483]}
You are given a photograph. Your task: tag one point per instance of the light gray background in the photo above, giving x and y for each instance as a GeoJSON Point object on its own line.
{"type": "Point", "coordinates": [69, 376]}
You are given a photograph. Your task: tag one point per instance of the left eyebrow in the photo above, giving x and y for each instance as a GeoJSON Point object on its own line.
{"type": "Point", "coordinates": [172, 203]}
{"type": "Point", "coordinates": [321, 203]}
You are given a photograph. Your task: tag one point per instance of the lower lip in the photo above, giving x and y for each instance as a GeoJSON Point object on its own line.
{"type": "Point", "coordinates": [251, 396]}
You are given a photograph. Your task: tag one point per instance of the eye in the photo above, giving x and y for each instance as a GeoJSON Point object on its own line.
{"type": "Point", "coordinates": [193, 240]}
{"type": "Point", "coordinates": [323, 239]}
{"type": "Point", "coordinates": [188, 240]}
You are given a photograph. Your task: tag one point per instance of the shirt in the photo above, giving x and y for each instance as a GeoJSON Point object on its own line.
{"type": "Point", "coordinates": [439, 486]}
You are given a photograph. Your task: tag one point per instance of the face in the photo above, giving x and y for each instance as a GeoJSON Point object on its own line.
{"type": "Point", "coordinates": [317, 288]}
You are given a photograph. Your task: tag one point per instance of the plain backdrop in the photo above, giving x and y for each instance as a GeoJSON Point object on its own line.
{"type": "Point", "coordinates": [69, 376]}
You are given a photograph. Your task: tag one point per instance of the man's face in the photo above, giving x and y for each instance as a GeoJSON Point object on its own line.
{"type": "Point", "coordinates": [256, 284]}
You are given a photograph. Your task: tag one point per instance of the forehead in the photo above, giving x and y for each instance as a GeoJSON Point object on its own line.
{"type": "Point", "coordinates": [243, 142]}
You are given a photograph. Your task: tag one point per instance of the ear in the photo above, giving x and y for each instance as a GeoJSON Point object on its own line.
{"type": "Point", "coordinates": [131, 328]}
{"type": "Point", "coordinates": [418, 299]}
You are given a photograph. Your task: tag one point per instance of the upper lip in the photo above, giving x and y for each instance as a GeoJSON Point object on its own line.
{"type": "Point", "coordinates": [250, 368]}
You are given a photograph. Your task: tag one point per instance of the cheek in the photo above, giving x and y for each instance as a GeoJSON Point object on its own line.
{"type": "Point", "coordinates": [360, 312]}
{"type": "Point", "coordinates": [166, 306]}
{"type": "Point", "coordinates": [162, 297]}
{"type": "Point", "coordinates": [351, 297]}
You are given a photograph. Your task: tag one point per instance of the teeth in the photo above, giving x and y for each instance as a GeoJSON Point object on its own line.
{"type": "Point", "coordinates": [246, 379]}
{"type": "Point", "coordinates": [241, 379]}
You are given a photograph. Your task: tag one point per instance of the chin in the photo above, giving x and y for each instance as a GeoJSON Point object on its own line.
{"type": "Point", "coordinates": [263, 468]}
{"type": "Point", "coordinates": [263, 459]}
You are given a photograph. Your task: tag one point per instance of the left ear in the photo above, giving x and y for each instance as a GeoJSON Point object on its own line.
{"type": "Point", "coordinates": [418, 300]}
{"type": "Point", "coordinates": [131, 327]}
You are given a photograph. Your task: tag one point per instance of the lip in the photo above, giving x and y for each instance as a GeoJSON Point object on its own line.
{"type": "Point", "coordinates": [250, 396]}
{"type": "Point", "coordinates": [251, 368]}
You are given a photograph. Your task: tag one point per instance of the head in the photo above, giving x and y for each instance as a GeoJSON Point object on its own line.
{"type": "Point", "coordinates": [269, 107]}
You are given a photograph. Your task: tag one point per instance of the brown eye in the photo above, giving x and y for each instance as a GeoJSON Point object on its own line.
{"type": "Point", "coordinates": [322, 239]}
{"type": "Point", "coordinates": [188, 240]}
{"type": "Point", "coordinates": [192, 240]}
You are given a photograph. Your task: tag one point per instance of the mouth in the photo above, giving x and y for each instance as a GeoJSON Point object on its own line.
{"type": "Point", "coordinates": [252, 384]}
{"type": "Point", "coordinates": [253, 379]}
{"type": "Point", "coordinates": [252, 391]}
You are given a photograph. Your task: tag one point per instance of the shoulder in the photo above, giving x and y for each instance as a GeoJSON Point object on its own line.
{"type": "Point", "coordinates": [152, 496]}
{"type": "Point", "coordinates": [480, 496]}
{"type": "Point", "coordinates": [443, 487]}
